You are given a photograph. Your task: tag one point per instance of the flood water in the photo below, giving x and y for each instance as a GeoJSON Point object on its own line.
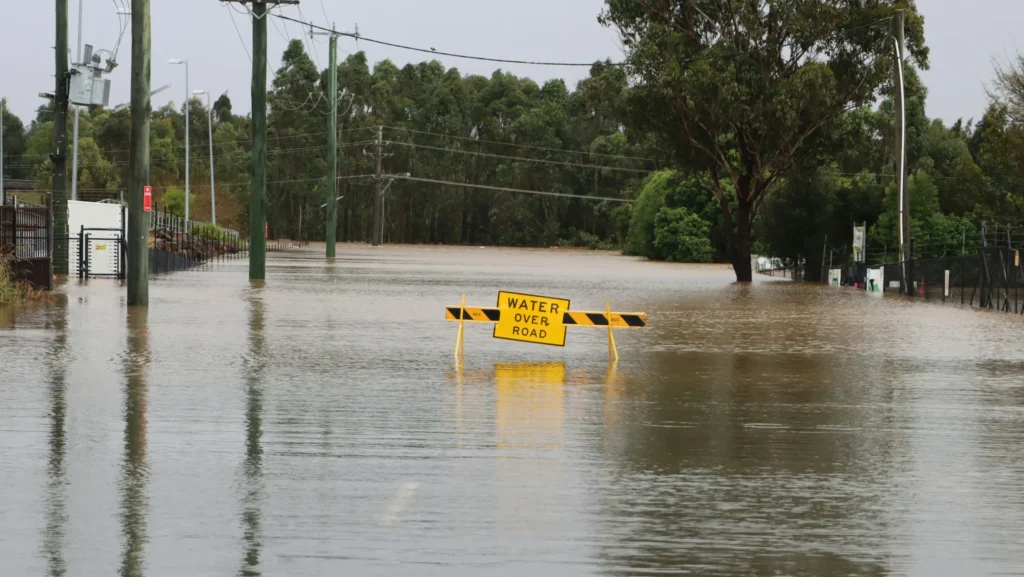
{"type": "Point", "coordinates": [318, 425]}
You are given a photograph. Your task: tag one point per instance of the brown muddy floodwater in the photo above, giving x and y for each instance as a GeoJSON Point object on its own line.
{"type": "Point", "coordinates": [317, 426]}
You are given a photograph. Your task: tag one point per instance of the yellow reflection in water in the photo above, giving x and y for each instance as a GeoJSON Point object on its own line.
{"type": "Point", "coordinates": [529, 416]}
{"type": "Point", "coordinates": [530, 405]}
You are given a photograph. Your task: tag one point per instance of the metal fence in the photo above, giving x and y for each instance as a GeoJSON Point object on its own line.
{"type": "Point", "coordinates": [26, 241]}
{"type": "Point", "coordinates": [25, 231]}
{"type": "Point", "coordinates": [179, 244]}
{"type": "Point", "coordinates": [979, 270]}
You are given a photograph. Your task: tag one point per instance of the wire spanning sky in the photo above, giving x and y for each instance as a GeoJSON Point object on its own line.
{"type": "Point", "coordinates": [964, 40]}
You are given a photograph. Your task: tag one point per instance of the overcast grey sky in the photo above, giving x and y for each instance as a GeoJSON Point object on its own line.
{"type": "Point", "coordinates": [964, 38]}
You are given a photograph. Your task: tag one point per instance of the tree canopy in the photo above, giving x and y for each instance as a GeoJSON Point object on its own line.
{"type": "Point", "coordinates": [732, 126]}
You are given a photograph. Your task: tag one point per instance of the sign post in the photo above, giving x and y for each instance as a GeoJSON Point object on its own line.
{"type": "Point", "coordinates": [147, 198]}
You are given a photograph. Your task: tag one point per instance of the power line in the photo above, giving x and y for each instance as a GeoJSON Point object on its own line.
{"type": "Point", "coordinates": [45, 156]}
{"type": "Point", "coordinates": [237, 31]}
{"type": "Point", "coordinates": [517, 190]}
{"type": "Point", "coordinates": [239, 154]}
{"type": "Point", "coordinates": [243, 184]}
{"type": "Point", "coordinates": [522, 159]}
{"type": "Point", "coordinates": [531, 62]}
{"type": "Point", "coordinates": [327, 19]}
{"type": "Point", "coordinates": [471, 139]}
{"type": "Point", "coordinates": [438, 52]}
{"type": "Point", "coordinates": [312, 45]}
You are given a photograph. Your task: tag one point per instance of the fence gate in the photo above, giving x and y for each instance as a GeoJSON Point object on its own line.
{"type": "Point", "coordinates": [103, 256]}
{"type": "Point", "coordinates": [102, 251]}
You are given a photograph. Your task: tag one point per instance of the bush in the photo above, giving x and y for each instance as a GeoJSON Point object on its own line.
{"type": "Point", "coordinates": [671, 190]}
{"type": "Point", "coordinates": [681, 236]}
{"type": "Point", "coordinates": [209, 231]}
{"type": "Point", "coordinates": [640, 237]}
{"type": "Point", "coordinates": [13, 291]}
{"type": "Point", "coordinates": [583, 238]}
{"type": "Point", "coordinates": [174, 202]}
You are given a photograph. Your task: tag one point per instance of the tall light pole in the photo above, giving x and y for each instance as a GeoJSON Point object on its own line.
{"type": "Point", "coordinates": [213, 188]}
{"type": "Point", "coordinates": [3, 191]}
{"type": "Point", "coordinates": [188, 96]}
{"type": "Point", "coordinates": [78, 111]}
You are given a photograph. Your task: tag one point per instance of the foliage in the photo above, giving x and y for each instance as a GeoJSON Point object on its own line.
{"type": "Point", "coordinates": [670, 189]}
{"type": "Point", "coordinates": [681, 236]}
{"type": "Point", "coordinates": [13, 291]}
{"type": "Point", "coordinates": [739, 93]}
{"type": "Point", "coordinates": [777, 122]}
{"type": "Point", "coordinates": [209, 231]}
{"type": "Point", "coordinates": [174, 202]}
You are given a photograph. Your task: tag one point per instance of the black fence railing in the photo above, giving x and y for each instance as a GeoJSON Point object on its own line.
{"type": "Point", "coordinates": [26, 242]}
{"type": "Point", "coordinates": [177, 244]}
{"type": "Point", "coordinates": [25, 231]}
{"type": "Point", "coordinates": [984, 269]}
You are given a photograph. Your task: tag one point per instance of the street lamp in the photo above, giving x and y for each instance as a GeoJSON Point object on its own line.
{"type": "Point", "coordinates": [213, 188]}
{"type": "Point", "coordinates": [187, 97]}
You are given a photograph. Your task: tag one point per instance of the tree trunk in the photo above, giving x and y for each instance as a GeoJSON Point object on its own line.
{"type": "Point", "coordinates": [741, 243]}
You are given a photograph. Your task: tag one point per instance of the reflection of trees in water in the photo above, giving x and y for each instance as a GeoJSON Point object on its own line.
{"type": "Point", "coordinates": [134, 500]}
{"type": "Point", "coordinates": [253, 466]}
{"type": "Point", "coordinates": [56, 491]}
{"type": "Point", "coordinates": [752, 464]}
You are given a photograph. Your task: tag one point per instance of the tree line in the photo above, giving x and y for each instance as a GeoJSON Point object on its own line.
{"type": "Point", "coordinates": [728, 130]}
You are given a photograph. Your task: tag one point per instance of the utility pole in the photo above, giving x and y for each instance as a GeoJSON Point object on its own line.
{"type": "Point", "coordinates": [258, 192]}
{"type": "Point", "coordinates": [138, 161]}
{"type": "Point", "coordinates": [899, 100]}
{"type": "Point", "coordinates": [258, 195]}
{"type": "Point", "coordinates": [59, 258]}
{"type": "Point", "coordinates": [332, 153]}
{"type": "Point", "coordinates": [378, 197]}
{"type": "Point", "coordinates": [78, 110]}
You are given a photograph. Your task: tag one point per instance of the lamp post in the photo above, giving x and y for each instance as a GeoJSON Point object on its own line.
{"type": "Point", "coordinates": [188, 96]}
{"type": "Point", "coordinates": [213, 188]}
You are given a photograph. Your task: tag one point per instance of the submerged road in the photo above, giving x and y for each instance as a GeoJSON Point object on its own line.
{"type": "Point", "coordinates": [317, 425]}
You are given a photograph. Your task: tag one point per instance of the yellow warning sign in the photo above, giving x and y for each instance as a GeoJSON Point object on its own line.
{"type": "Point", "coordinates": [531, 319]}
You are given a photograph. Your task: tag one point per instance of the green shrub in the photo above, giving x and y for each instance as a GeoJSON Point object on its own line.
{"type": "Point", "coordinates": [174, 202]}
{"type": "Point", "coordinates": [680, 236]}
{"type": "Point", "coordinates": [209, 231]}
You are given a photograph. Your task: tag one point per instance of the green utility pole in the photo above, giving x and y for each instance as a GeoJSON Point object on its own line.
{"type": "Point", "coordinates": [332, 152]}
{"type": "Point", "coordinates": [258, 198]}
{"type": "Point", "coordinates": [138, 161]}
{"type": "Point", "coordinates": [59, 260]}
{"type": "Point", "coordinates": [258, 192]}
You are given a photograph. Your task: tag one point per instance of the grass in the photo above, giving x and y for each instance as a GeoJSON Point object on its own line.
{"type": "Point", "coordinates": [13, 291]}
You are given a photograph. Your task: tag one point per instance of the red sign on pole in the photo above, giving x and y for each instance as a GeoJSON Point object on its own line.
{"type": "Point", "coordinates": [147, 198]}
{"type": "Point", "coordinates": [266, 230]}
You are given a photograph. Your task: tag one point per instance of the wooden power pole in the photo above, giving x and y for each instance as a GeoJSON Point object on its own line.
{"type": "Point", "coordinates": [59, 258]}
{"type": "Point", "coordinates": [258, 192]}
{"type": "Point", "coordinates": [899, 100]}
{"type": "Point", "coordinates": [138, 161]}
